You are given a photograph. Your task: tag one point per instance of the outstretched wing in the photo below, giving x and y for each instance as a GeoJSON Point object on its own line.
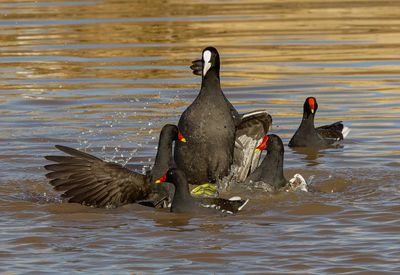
{"type": "Point", "coordinates": [249, 134]}
{"type": "Point", "coordinates": [89, 180]}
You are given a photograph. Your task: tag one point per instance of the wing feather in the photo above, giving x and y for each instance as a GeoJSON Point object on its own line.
{"type": "Point", "coordinates": [331, 132]}
{"type": "Point", "coordinates": [89, 180]}
{"type": "Point", "coordinates": [249, 134]}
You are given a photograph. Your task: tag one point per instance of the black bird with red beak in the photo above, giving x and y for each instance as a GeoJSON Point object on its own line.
{"type": "Point", "coordinates": [309, 136]}
{"type": "Point", "coordinates": [183, 202]}
{"type": "Point", "coordinates": [270, 170]}
{"type": "Point", "coordinates": [88, 180]}
{"type": "Point", "coordinates": [269, 175]}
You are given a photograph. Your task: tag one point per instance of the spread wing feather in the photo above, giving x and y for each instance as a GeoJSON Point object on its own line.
{"type": "Point", "coordinates": [249, 134]}
{"type": "Point", "coordinates": [89, 180]}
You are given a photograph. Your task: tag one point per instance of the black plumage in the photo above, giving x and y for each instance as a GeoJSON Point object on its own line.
{"type": "Point", "coordinates": [208, 125]}
{"type": "Point", "coordinates": [213, 125]}
{"type": "Point", "coordinates": [309, 136]}
{"type": "Point", "coordinates": [270, 170]}
{"type": "Point", "coordinates": [89, 180]}
{"type": "Point", "coordinates": [183, 202]}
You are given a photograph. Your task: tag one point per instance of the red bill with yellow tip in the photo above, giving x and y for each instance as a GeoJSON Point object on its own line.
{"type": "Point", "coordinates": [263, 144]}
{"type": "Point", "coordinates": [311, 102]}
{"type": "Point", "coordinates": [181, 137]}
{"type": "Point", "coordinates": [162, 179]}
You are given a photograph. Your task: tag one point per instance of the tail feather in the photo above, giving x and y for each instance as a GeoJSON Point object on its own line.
{"type": "Point", "coordinates": [345, 131]}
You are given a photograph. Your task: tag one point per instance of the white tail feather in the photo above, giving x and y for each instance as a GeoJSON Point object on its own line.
{"type": "Point", "coordinates": [345, 131]}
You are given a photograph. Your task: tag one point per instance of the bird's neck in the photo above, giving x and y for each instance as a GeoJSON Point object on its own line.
{"type": "Point", "coordinates": [164, 159]}
{"type": "Point", "coordinates": [308, 121]}
{"type": "Point", "coordinates": [273, 167]}
{"type": "Point", "coordinates": [211, 79]}
{"type": "Point", "coordinates": [182, 190]}
{"type": "Point", "coordinates": [182, 193]}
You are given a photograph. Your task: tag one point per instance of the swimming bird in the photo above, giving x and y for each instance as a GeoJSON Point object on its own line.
{"type": "Point", "coordinates": [89, 180]}
{"type": "Point", "coordinates": [209, 127]}
{"type": "Point", "coordinates": [309, 136]}
{"type": "Point", "coordinates": [217, 135]}
{"type": "Point", "coordinates": [269, 175]}
{"type": "Point", "coordinates": [183, 202]}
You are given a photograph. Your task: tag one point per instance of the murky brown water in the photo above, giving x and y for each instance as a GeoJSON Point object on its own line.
{"type": "Point", "coordinates": [106, 75]}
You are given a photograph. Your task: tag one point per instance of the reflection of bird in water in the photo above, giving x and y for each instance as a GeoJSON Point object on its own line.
{"type": "Point", "coordinates": [311, 155]}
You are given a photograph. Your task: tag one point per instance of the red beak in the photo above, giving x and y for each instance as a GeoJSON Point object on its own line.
{"type": "Point", "coordinates": [311, 102]}
{"type": "Point", "coordinates": [181, 137]}
{"type": "Point", "coordinates": [162, 179]}
{"type": "Point", "coordinates": [263, 144]}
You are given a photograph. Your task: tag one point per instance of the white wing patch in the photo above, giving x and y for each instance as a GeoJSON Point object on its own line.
{"type": "Point", "coordinates": [245, 148]}
{"type": "Point", "coordinates": [207, 63]}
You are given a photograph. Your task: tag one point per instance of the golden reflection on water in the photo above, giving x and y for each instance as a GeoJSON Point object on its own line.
{"type": "Point", "coordinates": [106, 75]}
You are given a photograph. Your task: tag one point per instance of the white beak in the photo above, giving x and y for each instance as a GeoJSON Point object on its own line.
{"type": "Point", "coordinates": [207, 63]}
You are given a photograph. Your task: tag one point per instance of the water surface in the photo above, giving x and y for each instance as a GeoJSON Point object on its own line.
{"type": "Point", "coordinates": [105, 76]}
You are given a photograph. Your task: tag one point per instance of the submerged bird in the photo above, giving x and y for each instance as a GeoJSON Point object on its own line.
{"type": "Point", "coordinates": [309, 136]}
{"type": "Point", "coordinates": [89, 180]}
{"type": "Point", "coordinates": [183, 202]}
{"type": "Point", "coordinates": [269, 175]}
{"type": "Point", "coordinates": [217, 135]}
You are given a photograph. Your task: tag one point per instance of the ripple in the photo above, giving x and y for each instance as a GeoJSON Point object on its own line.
{"type": "Point", "coordinates": [105, 76]}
